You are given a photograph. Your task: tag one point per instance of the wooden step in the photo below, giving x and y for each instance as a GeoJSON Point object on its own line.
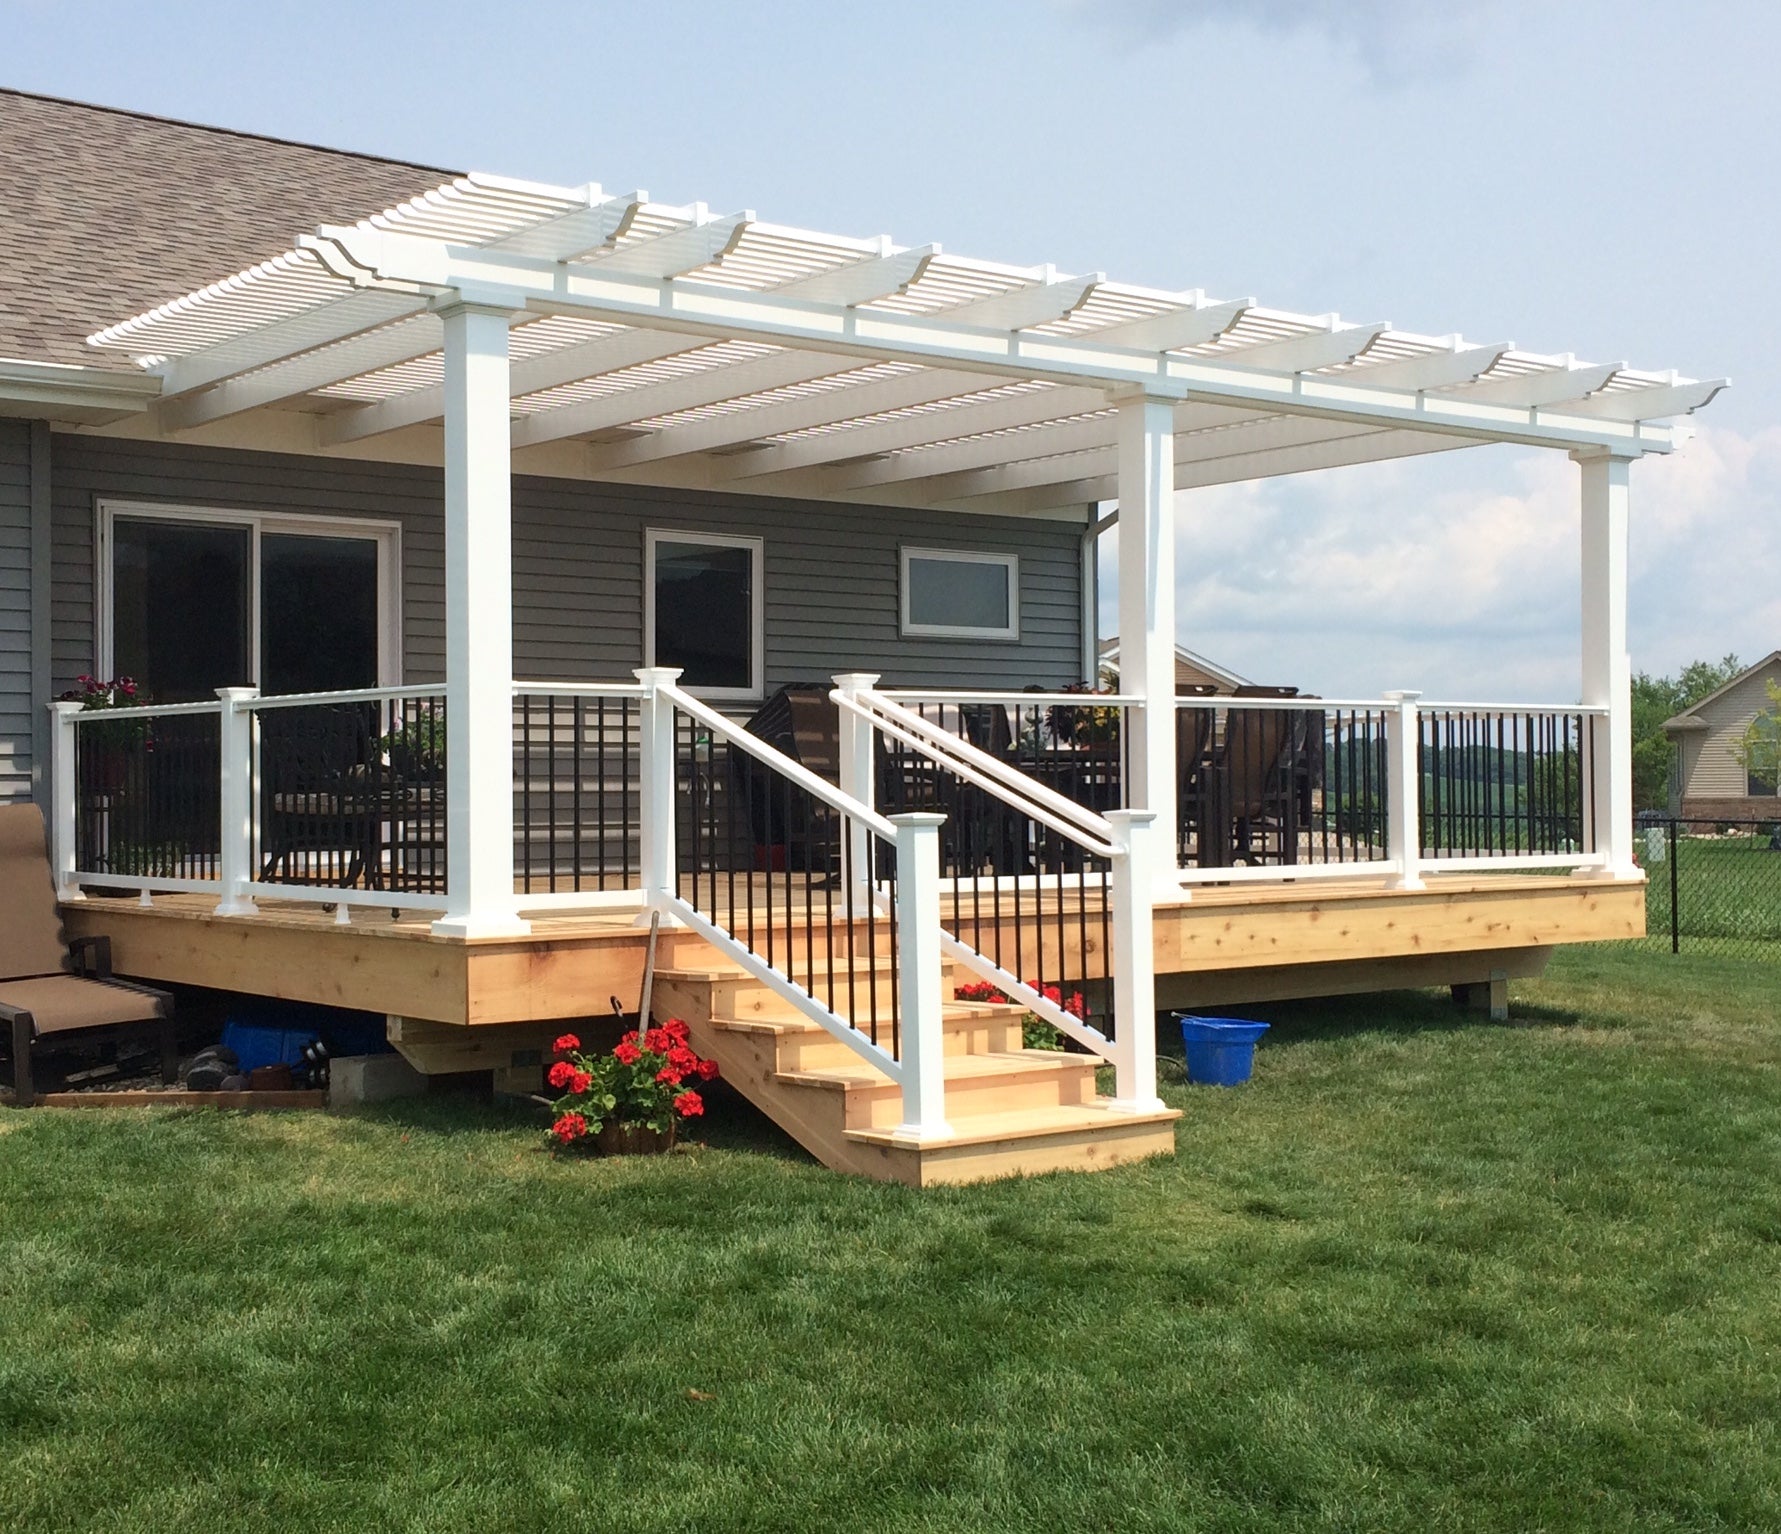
{"type": "Point", "coordinates": [976, 1085]}
{"type": "Point", "coordinates": [1082, 1138]}
{"type": "Point", "coordinates": [803, 1045]}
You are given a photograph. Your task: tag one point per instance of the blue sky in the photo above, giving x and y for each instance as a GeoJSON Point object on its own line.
{"type": "Point", "coordinates": [1594, 177]}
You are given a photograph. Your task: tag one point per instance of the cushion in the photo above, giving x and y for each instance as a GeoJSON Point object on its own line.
{"type": "Point", "coordinates": [30, 921]}
{"type": "Point", "coordinates": [62, 1003]}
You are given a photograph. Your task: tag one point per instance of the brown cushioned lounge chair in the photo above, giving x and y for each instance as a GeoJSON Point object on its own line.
{"type": "Point", "coordinates": [53, 992]}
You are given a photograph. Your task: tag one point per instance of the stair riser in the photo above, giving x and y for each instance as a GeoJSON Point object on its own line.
{"type": "Point", "coordinates": [962, 1036]}
{"type": "Point", "coordinates": [680, 948]}
{"type": "Point", "coordinates": [970, 1097]}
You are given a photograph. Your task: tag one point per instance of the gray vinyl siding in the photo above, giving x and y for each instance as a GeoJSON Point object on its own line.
{"type": "Point", "coordinates": [1711, 766]}
{"type": "Point", "coordinates": [15, 611]}
{"type": "Point", "coordinates": [831, 571]}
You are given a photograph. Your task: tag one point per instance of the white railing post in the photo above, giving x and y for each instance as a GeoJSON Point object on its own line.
{"type": "Point", "coordinates": [235, 757]}
{"type": "Point", "coordinates": [921, 994]}
{"type": "Point", "coordinates": [1133, 960]}
{"type": "Point", "coordinates": [656, 790]}
{"type": "Point", "coordinates": [859, 778]}
{"type": "Point", "coordinates": [62, 797]}
{"type": "Point", "coordinates": [1403, 787]}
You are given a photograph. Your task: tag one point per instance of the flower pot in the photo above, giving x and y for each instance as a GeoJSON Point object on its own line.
{"type": "Point", "coordinates": [1220, 1050]}
{"type": "Point", "coordinates": [633, 1140]}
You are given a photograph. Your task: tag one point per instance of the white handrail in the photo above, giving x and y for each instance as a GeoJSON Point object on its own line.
{"type": "Point", "coordinates": [348, 695]}
{"type": "Point", "coordinates": [995, 786]}
{"type": "Point", "coordinates": [143, 711]}
{"type": "Point", "coordinates": [966, 695]}
{"type": "Point", "coordinates": [1089, 828]}
{"type": "Point", "coordinates": [580, 689]}
{"type": "Point", "coordinates": [1545, 709]}
{"type": "Point", "coordinates": [799, 774]}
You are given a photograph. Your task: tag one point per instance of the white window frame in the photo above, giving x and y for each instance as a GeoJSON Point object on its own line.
{"type": "Point", "coordinates": [387, 535]}
{"type": "Point", "coordinates": [913, 630]}
{"type": "Point", "coordinates": [757, 670]}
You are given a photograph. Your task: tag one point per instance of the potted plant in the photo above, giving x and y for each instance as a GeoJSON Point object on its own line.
{"type": "Point", "coordinates": [632, 1100]}
{"type": "Point", "coordinates": [416, 747]}
{"type": "Point", "coordinates": [1084, 724]}
{"type": "Point", "coordinates": [107, 744]}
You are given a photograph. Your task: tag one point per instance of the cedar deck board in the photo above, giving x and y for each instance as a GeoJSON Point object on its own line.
{"type": "Point", "coordinates": [571, 963]}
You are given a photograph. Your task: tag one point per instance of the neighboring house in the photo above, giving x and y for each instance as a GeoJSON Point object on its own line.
{"type": "Point", "coordinates": [1191, 670]}
{"type": "Point", "coordinates": [1713, 774]}
{"type": "Point", "coordinates": [451, 523]}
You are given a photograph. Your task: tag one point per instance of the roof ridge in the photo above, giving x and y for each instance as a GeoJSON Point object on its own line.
{"type": "Point", "coordinates": [242, 133]}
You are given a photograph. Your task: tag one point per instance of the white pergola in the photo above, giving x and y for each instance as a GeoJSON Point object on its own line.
{"type": "Point", "coordinates": [567, 331]}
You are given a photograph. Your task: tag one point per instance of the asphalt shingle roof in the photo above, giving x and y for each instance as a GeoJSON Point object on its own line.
{"type": "Point", "coordinates": [105, 213]}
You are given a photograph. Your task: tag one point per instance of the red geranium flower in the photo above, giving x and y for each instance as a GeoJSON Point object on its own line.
{"type": "Point", "coordinates": [656, 1041]}
{"type": "Point", "coordinates": [668, 1076]}
{"type": "Point", "coordinates": [571, 1126]}
{"type": "Point", "coordinates": [565, 1043]}
{"type": "Point", "coordinates": [626, 1053]}
{"type": "Point", "coordinates": [675, 1029]}
{"type": "Point", "coordinates": [682, 1058]}
{"type": "Point", "coordinates": [707, 1070]}
{"type": "Point", "coordinates": [559, 1074]}
{"type": "Point", "coordinates": [689, 1105]}
{"type": "Point", "coordinates": [580, 1081]}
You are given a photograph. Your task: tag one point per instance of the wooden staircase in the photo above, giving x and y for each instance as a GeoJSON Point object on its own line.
{"type": "Point", "coordinates": [1012, 1110]}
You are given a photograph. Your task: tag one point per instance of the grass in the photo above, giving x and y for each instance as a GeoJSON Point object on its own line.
{"type": "Point", "coordinates": [1728, 893]}
{"type": "Point", "coordinates": [1424, 1273]}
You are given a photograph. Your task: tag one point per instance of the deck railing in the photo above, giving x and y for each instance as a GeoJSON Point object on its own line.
{"type": "Point", "coordinates": [1501, 783]}
{"type": "Point", "coordinates": [577, 806]}
{"type": "Point", "coordinates": [136, 796]}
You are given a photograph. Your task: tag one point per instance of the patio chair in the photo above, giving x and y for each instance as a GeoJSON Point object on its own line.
{"type": "Point", "coordinates": [1193, 740]}
{"type": "Point", "coordinates": [54, 993]}
{"type": "Point", "coordinates": [790, 828]}
{"type": "Point", "coordinates": [1249, 790]}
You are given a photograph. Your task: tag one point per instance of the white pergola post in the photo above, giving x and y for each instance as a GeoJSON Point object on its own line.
{"type": "Point", "coordinates": [1146, 544]}
{"type": "Point", "coordinates": [478, 625]}
{"type": "Point", "coordinates": [1607, 667]}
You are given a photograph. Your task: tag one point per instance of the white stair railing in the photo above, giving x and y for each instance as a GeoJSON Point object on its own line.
{"type": "Point", "coordinates": [891, 925]}
{"type": "Point", "coordinates": [1030, 914]}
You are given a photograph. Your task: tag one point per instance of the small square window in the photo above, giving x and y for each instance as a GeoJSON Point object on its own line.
{"type": "Point", "coordinates": [703, 611]}
{"type": "Point", "coordinates": [948, 593]}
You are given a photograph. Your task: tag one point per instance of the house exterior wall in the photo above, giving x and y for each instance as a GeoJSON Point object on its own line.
{"type": "Point", "coordinates": [15, 611]}
{"type": "Point", "coordinates": [831, 571]}
{"type": "Point", "coordinates": [1713, 779]}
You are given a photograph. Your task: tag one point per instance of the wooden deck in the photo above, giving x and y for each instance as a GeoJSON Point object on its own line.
{"type": "Point", "coordinates": [1225, 944]}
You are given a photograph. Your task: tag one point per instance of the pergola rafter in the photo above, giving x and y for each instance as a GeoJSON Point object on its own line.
{"type": "Point", "coordinates": [720, 350]}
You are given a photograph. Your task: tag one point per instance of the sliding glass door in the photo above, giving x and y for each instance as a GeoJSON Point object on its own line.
{"type": "Point", "coordinates": [194, 601]}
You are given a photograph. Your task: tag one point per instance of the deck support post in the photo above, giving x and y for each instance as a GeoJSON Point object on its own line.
{"type": "Point", "coordinates": [235, 846]}
{"type": "Point", "coordinates": [921, 995]}
{"type": "Point", "coordinates": [655, 795]}
{"type": "Point", "coordinates": [1403, 788]}
{"type": "Point", "coordinates": [478, 624]}
{"type": "Point", "coordinates": [62, 795]}
{"type": "Point", "coordinates": [1607, 667]}
{"type": "Point", "coordinates": [1146, 545]}
{"type": "Point", "coordinates": [1134, 956]}
{"type": "Point", "coordinates": [859, 781]}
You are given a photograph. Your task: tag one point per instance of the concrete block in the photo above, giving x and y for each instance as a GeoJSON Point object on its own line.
{"type": "Point", "coordinates": [357, 1079]}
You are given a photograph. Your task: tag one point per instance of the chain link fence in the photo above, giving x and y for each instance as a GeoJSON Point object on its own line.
{"type": "Point", "coordinates": [1714, 887]}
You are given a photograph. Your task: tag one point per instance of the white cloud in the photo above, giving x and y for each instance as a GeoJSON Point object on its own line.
{"type": "Point", "coordinates": [1459, 575]}
{"type": "Point", "coordinates": [1395, 41]}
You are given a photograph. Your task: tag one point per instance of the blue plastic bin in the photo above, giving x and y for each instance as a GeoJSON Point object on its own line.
{"type": "Point", "coordinates": [256, 1044]}
{"type": "Point", "coordinates": [1220, 1050]}
{"type": "Point", "coordinates": [263, 1031]}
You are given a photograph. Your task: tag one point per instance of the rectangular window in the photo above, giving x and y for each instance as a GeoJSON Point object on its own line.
{"type": "Point", "coordinates": [951, 594]}
{"type": "Point", "coordinates": [193, 599]}
{"type": "Point", "coordinates": [703, 611]}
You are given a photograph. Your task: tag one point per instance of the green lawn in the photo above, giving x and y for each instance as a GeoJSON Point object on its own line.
{"type": "Point", "coordinates": [1728, 891]}
{"type": "Point", "coordinates": [1424, 1273]}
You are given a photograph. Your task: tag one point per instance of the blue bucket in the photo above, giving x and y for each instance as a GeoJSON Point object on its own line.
{"type": "Point", "coordinates": [1220, 1050]}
